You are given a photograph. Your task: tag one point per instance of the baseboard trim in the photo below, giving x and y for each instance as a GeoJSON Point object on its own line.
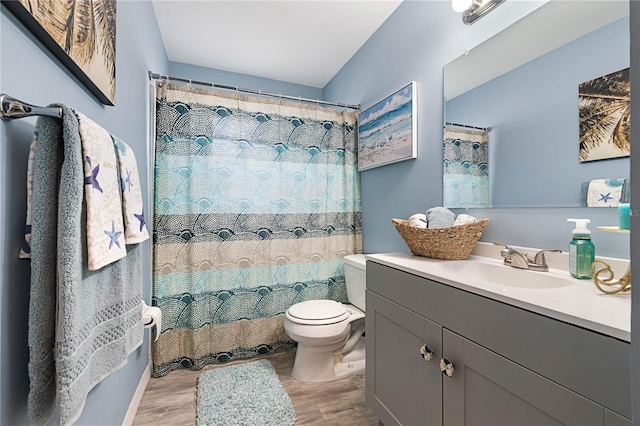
{"type": "Point", "coordinates": [137, 397]}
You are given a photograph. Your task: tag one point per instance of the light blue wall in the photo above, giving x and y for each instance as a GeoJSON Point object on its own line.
{"type": "Point", "coordinates": [413, 45]}
{"type": "Point", "coordinates": [534, 125]}
{"type": "Point", "coordinates": [28, 72]}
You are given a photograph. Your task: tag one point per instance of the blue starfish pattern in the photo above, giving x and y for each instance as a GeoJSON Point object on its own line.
{"type": "Point", "coordinates": [114, 235]}
{"type": "Point", "coordinates": [605, 197]}
{"type": "Point", "coordinates": [127, 181]}
{"type": "Point", "coordinates": [93, 178]}
{"type": "Point", "coordinates": [140, 217]}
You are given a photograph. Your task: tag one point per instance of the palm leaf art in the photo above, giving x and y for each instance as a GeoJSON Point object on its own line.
{"type": "Point", "coordinates": [604, 105]}
{"type": "Point", "coordinates": [85, 30]}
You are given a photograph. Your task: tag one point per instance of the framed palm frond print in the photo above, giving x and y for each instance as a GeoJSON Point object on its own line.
{"type": "Point", "coordinates": [604, 105]}
{"type": "Point", "coordinates": [79, 33]}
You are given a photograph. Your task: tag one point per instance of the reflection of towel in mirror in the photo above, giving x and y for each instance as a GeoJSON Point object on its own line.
{"type": "Point", "coordinates": [604, 192]}
{"type": "Point", "coordinates": [440, 217]}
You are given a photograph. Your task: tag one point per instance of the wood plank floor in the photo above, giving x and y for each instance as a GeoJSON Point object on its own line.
{"type": "Point", "coordinates": [171, 400]}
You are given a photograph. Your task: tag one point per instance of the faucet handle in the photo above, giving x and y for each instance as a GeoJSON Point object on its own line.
{"type": "Point", "coordinates": [513, 257]}
{"type": "Point", "coordinates": [506, 251]}
{"type": "Point", "coordinates": [540, 259]}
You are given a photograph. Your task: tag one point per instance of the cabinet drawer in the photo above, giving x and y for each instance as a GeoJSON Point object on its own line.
{"type": "Point", "coordinates": [593, 365]}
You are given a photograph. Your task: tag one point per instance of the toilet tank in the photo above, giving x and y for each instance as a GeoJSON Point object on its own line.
{"type": "Point", "coordinates": [355, 279]}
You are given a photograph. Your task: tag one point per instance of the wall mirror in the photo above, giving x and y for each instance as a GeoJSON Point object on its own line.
{"type": "Point", "coordinates": [523, 85]}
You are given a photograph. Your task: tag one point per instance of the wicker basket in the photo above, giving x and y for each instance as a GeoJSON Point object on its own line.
{"type": "Point", "coordinates": [451, 243]}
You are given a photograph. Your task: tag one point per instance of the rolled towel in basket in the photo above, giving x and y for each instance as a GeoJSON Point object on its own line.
{"type": "Point", "coordinates": [463, 219]}
{"type": "Point", "coordinates": [418, 220]}
{"type": "Point", "coordinates": [440, 217]}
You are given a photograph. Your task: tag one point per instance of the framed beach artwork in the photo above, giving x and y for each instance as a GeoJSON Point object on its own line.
{"type": "Point", "coordinates": [387, 131]}
{"type": "Point", "coordinates": [80, 34]}
{"type": "Point", "coordinates": [604, 105]}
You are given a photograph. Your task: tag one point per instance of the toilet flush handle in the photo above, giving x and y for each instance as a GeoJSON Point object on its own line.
{"type": "Point", "coordinates": [426, 353]}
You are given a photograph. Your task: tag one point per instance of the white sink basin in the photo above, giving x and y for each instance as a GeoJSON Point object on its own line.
{"type": "Point", "coordinates": [502, 275]}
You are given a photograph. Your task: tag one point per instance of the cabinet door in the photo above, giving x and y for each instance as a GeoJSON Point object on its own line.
{"type": "Point", "coordinates": [615, 419]}
{"type": "Point", "coordinates": [407, 389]}
{"type": "Point", "coordinates": [487, 388]}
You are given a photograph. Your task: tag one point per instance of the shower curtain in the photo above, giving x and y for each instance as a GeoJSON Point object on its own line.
{"type": "Point", "coordinates": [256, 201]}
{"type": "Point", "coordinates": [466, 168]}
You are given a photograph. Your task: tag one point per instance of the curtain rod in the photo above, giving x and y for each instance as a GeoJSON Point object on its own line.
{"type": "Point", "coordinates": [11, 108]}
{"type": "Point", "coordinates": [486, 129]}
{"type": "Point", "coordinates": [154, 76]}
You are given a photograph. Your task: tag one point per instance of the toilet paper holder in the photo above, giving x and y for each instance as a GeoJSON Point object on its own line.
{"type": "Point", "coordinates": [152, 316]}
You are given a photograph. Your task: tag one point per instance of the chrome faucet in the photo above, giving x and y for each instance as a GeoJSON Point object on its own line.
{"type": "Point", "coordinates": [515, 259]}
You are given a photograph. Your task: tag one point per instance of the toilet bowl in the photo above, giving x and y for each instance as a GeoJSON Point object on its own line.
{"type": "Point", "coordinates": [329, 333]}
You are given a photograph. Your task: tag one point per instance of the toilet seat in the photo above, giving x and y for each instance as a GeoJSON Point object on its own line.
{"type": "Point", "coordinates": [317, 312]}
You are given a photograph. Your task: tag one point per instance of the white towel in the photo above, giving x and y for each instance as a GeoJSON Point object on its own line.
{"type": "Point", "coordinates": [25, 250]}
{"type": "Point", "coordinates": [105, 228]}
{"type": "Point", "coordinates": [463, 219]}
{"type": "Point", "coordinates": [135, 229]}
{"type": "Point", "coordinates": [418, 220]}
{"type": "Point", "coordinates": [604, 192]}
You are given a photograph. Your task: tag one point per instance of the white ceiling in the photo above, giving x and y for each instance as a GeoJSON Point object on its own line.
{"type": "Point", "coordinates": [303, 42]}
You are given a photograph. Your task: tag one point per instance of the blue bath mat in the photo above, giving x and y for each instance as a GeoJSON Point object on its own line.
{"type": "Point", "coordinates": [247, 394]}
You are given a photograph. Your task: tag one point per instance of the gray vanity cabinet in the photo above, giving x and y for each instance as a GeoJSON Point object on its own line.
{"type": "Point", "coordinates": [487, 389]}
{"type": "Point", "coordinates": [511, 366]}
{"type": "Point", "coordinates": [407, 387]}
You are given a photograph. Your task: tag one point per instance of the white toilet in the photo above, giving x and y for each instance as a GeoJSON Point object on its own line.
{"type": "Point", "coordinates": [330, 334]}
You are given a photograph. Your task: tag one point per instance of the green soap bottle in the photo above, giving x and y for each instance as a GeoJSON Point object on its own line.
{"type": "Point", "coordinates": [582, 252]}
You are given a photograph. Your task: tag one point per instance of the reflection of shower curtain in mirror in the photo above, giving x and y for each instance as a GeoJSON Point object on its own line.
{"type": "Point", "coordinates": [256, 202]}
{"type": "Point", "coordinates": [466, 171]}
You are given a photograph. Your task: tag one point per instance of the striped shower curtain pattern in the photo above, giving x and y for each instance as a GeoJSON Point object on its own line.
{"type": "Point", "coordinates": [256, 201]}
{"type": "Point", "coordinates": [465, 168]}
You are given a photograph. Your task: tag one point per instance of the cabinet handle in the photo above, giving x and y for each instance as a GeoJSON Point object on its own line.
{"type": "Point", "coordinates": [446, 367]}
{"type": "Point", "coordinates": [426, 353]}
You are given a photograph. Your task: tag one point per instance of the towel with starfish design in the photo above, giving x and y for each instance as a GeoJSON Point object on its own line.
{"type": "Point", "coordinates": [105, 227]}
{"type": "Point", "coordinates": [135, 229]}
{"type": "Point", "coordinates": [604, 192]}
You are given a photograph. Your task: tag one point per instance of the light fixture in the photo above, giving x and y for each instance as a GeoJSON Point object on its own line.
{"type": "Point", "coordinates": [461, 5]}
{"type": "Point", "coordinates": [472, 10]}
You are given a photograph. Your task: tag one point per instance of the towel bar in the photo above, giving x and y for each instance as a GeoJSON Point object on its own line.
{"type": "Point", "coordinates": [11, 108]}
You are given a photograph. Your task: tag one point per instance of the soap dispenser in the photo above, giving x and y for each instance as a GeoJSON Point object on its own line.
{"type": "Point", "coordinates": [581, 250]}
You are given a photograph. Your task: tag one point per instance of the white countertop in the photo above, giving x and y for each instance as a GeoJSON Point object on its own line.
{"type": "Point", "coordinates": [579, 303]}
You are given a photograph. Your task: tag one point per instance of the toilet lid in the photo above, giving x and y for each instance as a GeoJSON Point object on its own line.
{"type": "Point", "coordinates": [319, 311]}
